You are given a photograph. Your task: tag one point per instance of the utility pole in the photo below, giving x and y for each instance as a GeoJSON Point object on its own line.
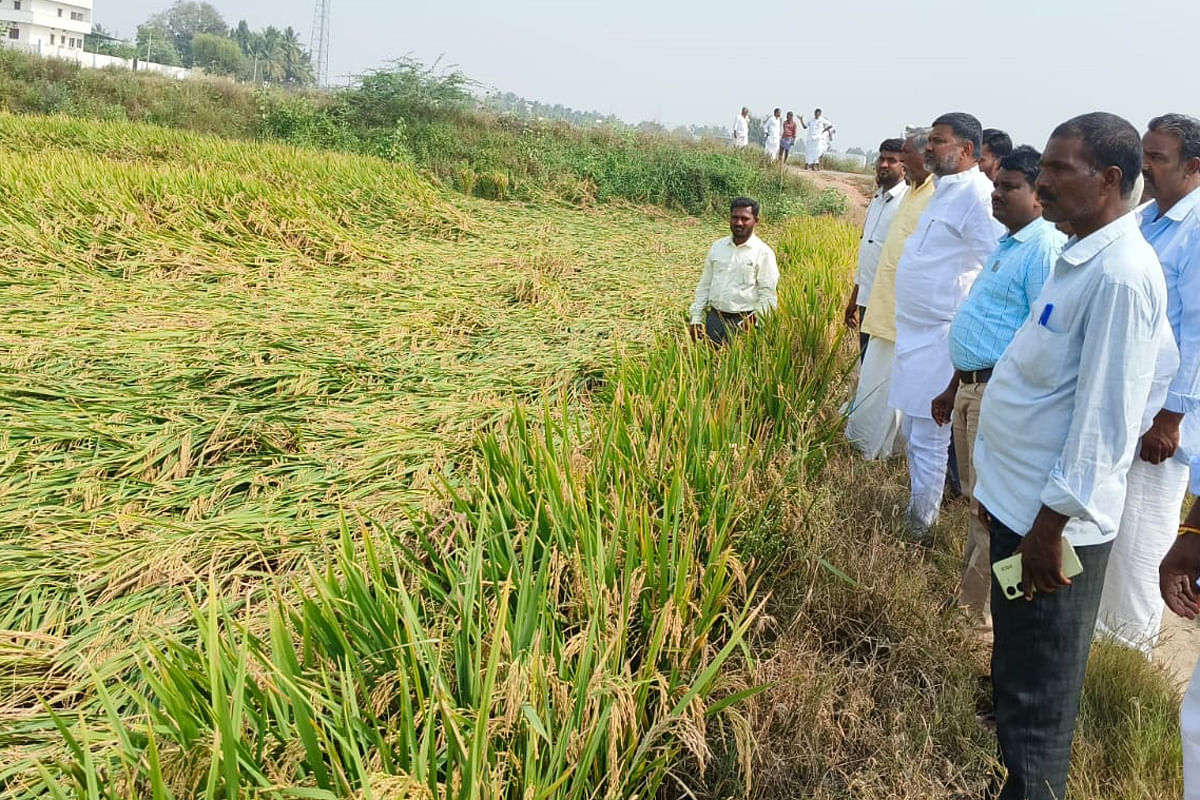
{"type": "Point", "coordinates": [318, 44]}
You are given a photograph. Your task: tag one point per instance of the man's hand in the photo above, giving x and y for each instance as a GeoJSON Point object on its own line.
{"type": "Point", "coordinates": [1041, 554]}
{"type": "Point", "coordinates": [943, 405]}
{"type": "Point", "coordinates": [1177, 576]}
{"type": "Point", "coordinates": [696, 332]}
{"type": "Point", "coordinates": [1162, 440]}
{"type": "Point", "coordinates": [851, 315]}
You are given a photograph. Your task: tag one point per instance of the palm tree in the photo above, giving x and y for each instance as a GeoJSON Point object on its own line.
{"type": "Point", "coordinates": [297, 63]}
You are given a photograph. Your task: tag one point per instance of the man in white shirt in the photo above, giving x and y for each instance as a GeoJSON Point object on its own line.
{"type": "Point", "coordinates": [1057, 430]}
{"type": "Point", "coordinates": [1131, 606]}
{"type": "Point", "coordinates": [954, 236]}
{"type": "Point", "coordinates": [741, 128]}
{"type": "Point", "coordinates": [774, 135]}
{"type": "Point", "coordinates": [737, 286]}
{"type": "Point", "coordinates": [819, 134]}
{"type": "Point", "coordinates": [889, 178]}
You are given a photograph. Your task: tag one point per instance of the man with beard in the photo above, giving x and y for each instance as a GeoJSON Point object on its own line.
{"type": "Point", "coordinates": [998, 305]}
{"type": "Point", "coordinates": [737, 285]}
{"type": "Point", "coordinates": [889, 178]}
{"type": "Point", "coordinates": [1131, 607]}
{"type": "Point", "coordinates": [954, 236]}
{"type": "Point", "coordinates": [1057, 430]}
{"type": "Point", "coordinates": [873, 425]}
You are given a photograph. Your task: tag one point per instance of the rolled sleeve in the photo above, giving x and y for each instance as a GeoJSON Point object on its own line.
{"type": "Point", "coordinates": [767, 282]}
{"type": "Point", "coordinates": [1119, 348]}
{"type": "Point", "coordinates": [1183, 395]}
{"type": "Point", "coordinates": [702, 292]}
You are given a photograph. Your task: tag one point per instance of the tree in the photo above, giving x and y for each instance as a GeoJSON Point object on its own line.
{"type": "Point", "coordinates": [217, 55]}
{"type": "Point", "coordinates": [184, 20]}
{"type": "Point", "coordinates": [155, 44]}
{"type": "Point", "coordinates": [297, 63]}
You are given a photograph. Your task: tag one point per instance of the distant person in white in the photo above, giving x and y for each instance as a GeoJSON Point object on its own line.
{"type": "Point", "coordinates": [819, 133]}
{"type": "Point", "coordinates": [890, 190]}
{"type": "Point", "coordinates": [737, 286]}
{"type": "Point", "coordinates": [774, 135]}
{"type": "Point", "coordinates": [954, 236]}
{"type": "Point", "coordinates": [741, 128]}
{"type": "Point", "coordinates": [1131, 606]}
{"type": "Point", "coordinates": [1058, 428]}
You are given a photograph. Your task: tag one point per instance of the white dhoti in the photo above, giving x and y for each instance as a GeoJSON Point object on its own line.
{"type": "Point", "coordinates": [1189, 724]}
{"type": "Point", "coordinates": [872, 426]}
{"type": "Point", "coordinates": [813, 150]}
{"type": "Point", "coordinates": [927, 446]}
{"type": "Point", "coordinates": [771, 148]}
{"type": "Point", "coordinates": [1131, 606]}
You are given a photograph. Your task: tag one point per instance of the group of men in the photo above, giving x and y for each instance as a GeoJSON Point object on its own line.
{"type": "Point", "coordinates": [1061, 374]}
{"type": "Point", "coordinates": [781, 133]}
{"type": "Point", "coordinates": [1024, 307]}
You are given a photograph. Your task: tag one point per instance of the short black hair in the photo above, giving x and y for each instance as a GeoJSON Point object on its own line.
{"type": "Point", "coordinates": [1184, 128]}
{"type": "Point", "coordinates": [891, 146]}
{"type": "Point", "coordinates": [965, 126]}
{"type": "Point", "coordinates": [744, 202]}
{"type": "Point", "coordinates": [1110, 141]}
{"type": "Point", "coordinates": [999, 142]}
{"type": "Point", "coordinates": [1025, 160]}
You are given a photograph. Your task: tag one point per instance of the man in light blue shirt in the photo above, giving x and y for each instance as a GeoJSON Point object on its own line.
{"type": "Point", "coordinates": [1131, 607]}
{"type": "Point", "coordinates": [998, 305]}
{"type": "Point", "coordinates": [1057, 432]}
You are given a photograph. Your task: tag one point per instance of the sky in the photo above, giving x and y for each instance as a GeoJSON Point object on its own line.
{"type": "Point", "coordinates": [871, 66]}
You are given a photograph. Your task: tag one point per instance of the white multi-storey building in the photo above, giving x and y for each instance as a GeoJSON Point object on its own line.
{"type": "Point", "coordinates": [49, 27]}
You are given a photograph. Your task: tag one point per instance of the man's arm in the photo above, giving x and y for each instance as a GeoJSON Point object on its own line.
{"type": "Point", "coordinates": [1117, 358]}
{"type": "Point", "coordinates": [696, 312]}
{"type": "Point", "coordinates": [943, 405]}
{"type": "Point", "coordinates": [981, 232]}
{"type": "Point", "coordinates": [765, 284]}
{"type": "Point", "coordinates": [1180, 568]}
{"type": "Point", "coordinates": [1183, 395]}
{"type": "Point", "coordinates": [851, 313]}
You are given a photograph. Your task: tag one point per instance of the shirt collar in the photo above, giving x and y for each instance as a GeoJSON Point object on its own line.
{"type": "Point", "coordinates": [1177, 212]}
{"type": "Point", "coordinates": [927, 183]}
{"type": "Point", "coordinates": [959, 177]}
{"type": "Point", "coordinates": [892, 192]}
{"type": "Point", "coordinates": [751, 242]}
{"type": "Point", "coordinates": [1029, 231]}
{"type": "Point", "coordinates": [1080, 250]}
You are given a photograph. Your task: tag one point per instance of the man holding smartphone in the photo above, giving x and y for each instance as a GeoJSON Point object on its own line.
{"type": "Point", "coordinates": [1057, 430]}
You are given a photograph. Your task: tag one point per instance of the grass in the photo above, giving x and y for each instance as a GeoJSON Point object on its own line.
{"type": "Point", "coordinates": [320, 481]}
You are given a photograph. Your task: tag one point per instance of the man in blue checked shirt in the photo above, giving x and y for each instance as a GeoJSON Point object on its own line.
{"type": "Point", "coordinates": [998, 305]}
{"type": "Point", "coordinates": [1131, 607]}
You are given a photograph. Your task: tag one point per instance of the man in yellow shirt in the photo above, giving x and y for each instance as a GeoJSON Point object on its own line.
{"type": "Point", "coordinates": [873, 426]}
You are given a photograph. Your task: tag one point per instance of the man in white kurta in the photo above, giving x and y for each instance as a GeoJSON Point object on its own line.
{"type": "Point", "coordinates": [941, 259]}
{"type": "Point", "coordinates": [1131, 606]}
{"type": "Point", "coordinates": [741, 128]}
{"type": "Point", "coordinates": [774, 135]}
{"type": "Point", "coordinates": [818, 133]}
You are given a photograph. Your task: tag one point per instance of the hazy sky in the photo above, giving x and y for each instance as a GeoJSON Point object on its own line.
{"type": "Point", "coordinates": [872, 66]}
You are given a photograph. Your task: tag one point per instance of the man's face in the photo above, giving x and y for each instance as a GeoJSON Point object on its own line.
{"type": "Point", "coordinates": [1068, 188]}
{"type": "Point", "coordinates": [742, 222]}
{"type": "Point", "coordinates": [943, 152]}
{"type": "Point", "coordinates": [1163, 165]}
{"type": "Point", "coordinates": [1014, 201]}
{"type": "Point", "coordinates": [988, 163]}
{"type": "Point", "coordinates": [889, 169]}
{"type": "Point", "coordinates": [776, 115]}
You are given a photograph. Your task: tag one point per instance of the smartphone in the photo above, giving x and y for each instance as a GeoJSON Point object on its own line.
{"type": "Point", "coordinates": [1008, 570]}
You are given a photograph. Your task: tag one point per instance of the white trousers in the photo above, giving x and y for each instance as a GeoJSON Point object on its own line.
{"type": "Point", "coordinates": [1131, 607]}
{"type": "Point", "coordinates": [1189, 723]}
{"type": "Point", "coordinates": [927, 446]}
{"type": "Point", "coordinates": [873, 426]}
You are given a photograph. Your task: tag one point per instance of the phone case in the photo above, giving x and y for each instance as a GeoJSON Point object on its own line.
{"type": "Point", "coordinates": [1008, 571]}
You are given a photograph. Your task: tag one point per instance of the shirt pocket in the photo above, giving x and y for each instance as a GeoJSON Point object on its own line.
{"type": "Point", "coordinates": [747, 272]}
{"type": "Point", "coordinates": [1042, 356]}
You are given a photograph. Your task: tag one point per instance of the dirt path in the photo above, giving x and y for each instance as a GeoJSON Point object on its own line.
{"type": "Point", "coordinates": [857, 188]}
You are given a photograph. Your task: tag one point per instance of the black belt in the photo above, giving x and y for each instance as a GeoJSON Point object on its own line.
{"type": "Point", "coordinates": [975, 375]}
{"type": "Point", "coordinates": [737, 316]}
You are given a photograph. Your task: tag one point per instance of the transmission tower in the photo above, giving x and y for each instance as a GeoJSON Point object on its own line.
{"type": "Point", "coordinates": [318, 45]}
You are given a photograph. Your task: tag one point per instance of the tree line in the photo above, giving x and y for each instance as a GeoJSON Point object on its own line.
{"type": "Point", "coordinates": [194, 34]}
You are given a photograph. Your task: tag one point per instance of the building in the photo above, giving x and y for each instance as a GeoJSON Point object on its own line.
{"type": "Point", "coordinates": [48, 27]}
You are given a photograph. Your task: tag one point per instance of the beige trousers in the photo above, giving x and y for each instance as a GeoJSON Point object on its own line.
{"type": "Point", "coordinates": [974, 594]}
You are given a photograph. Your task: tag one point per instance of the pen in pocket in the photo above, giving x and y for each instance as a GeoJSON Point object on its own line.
{"type": "Point", "coordinates": [1045, 314]}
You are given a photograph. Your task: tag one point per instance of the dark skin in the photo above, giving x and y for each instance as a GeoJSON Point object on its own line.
{"type": "Point", "coordinates": [889, 170]}
{"type": "Point", "coordinates": [1171, 177]}
{"type": "Point", "coordinates": [1014, 205]}
{"type": "Point", "coordinates": [1070, 190]}
{"type": "Point", "coordinates": [742, 221]}
{"type": "Point", "coordinates": [946, 154]}
{"type": "Point", "coordinates": [1180, 568]}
